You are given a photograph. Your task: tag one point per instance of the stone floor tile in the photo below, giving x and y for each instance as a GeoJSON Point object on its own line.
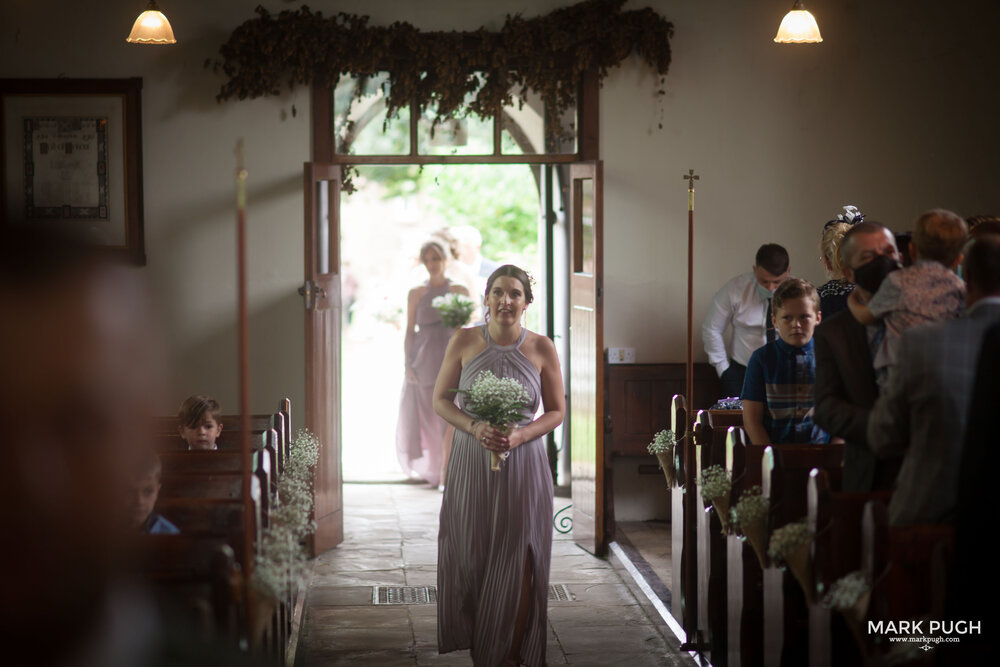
{"type": "Point", "coordinates": [391, 539]}
{"type": "Point", "coordinates": [397, 658]}
{"type": "Point", "coordinates": [582, 615]}
{"type": "Point", "coordinates": [577, 639]}
{"type": "Point", "coordinates": [327, 596]}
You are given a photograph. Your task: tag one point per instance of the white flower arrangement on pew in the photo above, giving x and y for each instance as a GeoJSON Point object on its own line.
{"type": "Point", "coordinates": [662, 447]}
{"type": "Point", "coordinates": [500, 402]}
{"type": "Point", "coordinates": [749, 518]}
{"type": "Point", "coordinates": [282, 559]}
{"type": "Point", "coordinates": [715, 486]}
{"type": "Point", "coordinates": [789, 546]}
{"type": "Point", "coordinates": [847, 591]}
{"type": "Point", "coordinates": [850, 595]}
{"type": "Point", "coordinates": [455, 309]}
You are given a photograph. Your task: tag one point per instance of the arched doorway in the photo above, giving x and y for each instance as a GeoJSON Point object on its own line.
{"type": "Point", "coordinates": [560, 214]}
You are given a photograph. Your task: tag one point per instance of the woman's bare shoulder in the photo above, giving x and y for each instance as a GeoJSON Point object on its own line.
{"type": "Point", "coordinates": [539, 349]}
{"type": "Point", "coordinates": [417, 292]}
{"type": "Point", "coordinates": [468, 341]}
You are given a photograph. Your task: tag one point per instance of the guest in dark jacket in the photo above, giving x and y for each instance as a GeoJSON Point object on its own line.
{"type": "Point", "coordinates": [845, 388]}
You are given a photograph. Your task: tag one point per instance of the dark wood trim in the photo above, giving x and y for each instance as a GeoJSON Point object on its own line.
{"type": "Point", "coordinates": [342, 158]}
{"type": "Point", "coordinates": [588, 139]}
{"type": "Point", "coordinates": [638, 401]}
{"type": "Point", "coordinates": [322, 123]}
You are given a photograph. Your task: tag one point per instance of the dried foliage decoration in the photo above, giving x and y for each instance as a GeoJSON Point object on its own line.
{"type": "Point", "coordinates": [440, 70]}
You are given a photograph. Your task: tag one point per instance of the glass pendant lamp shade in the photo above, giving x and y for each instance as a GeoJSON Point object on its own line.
{"type": "Point", "coordinates": [152, 27]}
{"type": "Point", "coordinates": [798, 27]}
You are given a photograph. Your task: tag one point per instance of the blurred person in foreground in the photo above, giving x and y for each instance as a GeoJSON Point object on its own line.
{"type": "Point", "coordinates": [78, 371]}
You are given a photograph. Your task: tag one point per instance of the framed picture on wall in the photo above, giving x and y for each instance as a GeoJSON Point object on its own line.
{"type": "Point", "coordinates": [71, 153]}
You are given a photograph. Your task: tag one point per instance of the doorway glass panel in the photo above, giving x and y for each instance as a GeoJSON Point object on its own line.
{"type": "Point", "coordinates": [363, 129]}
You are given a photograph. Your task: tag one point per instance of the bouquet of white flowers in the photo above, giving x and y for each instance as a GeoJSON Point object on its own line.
{"type": "Point", "coordinates": [662, 447]}
{"type": "Point", "coordinates": [500, 402]}
{"type": "Point", "coordinates": [715, 486]}
{"type": "Point", "coordinates": [454, 309]}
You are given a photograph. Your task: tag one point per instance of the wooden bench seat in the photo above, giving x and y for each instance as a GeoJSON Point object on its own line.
{"type": "Point", "coordinates": [204, 516]}
{"type": "Point", "coordinates": [203, 485]}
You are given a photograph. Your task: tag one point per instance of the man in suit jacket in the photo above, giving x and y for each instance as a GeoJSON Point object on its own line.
{"type": "Point", "coordinates": [924, 411]}
{"type": "Point", "coordinates": [845, 388]}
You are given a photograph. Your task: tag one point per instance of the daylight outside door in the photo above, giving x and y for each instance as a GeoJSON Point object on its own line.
{"type": "Point", "coordinates": [586, 355]}
{"type": "Point", "coordinates": [321, 298]}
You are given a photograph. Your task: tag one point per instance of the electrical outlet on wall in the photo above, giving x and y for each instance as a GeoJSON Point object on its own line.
{"type": "Point", "coordinates": [621, 355]}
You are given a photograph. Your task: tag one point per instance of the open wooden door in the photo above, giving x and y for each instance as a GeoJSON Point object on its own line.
{"type": "Point", "coordinates": [586, 351]}
{"type": "Point", "coordinates": [321, 294]}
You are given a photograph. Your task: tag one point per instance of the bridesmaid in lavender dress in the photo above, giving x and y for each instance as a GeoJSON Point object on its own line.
{"type": "Point", "coordinates": [495, 538]}
{"type": "Point", "coordinates": [419, 430]}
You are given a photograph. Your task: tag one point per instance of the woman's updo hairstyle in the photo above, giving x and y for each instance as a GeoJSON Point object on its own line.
{"type": "Point", "coordinates": [511, 271]}
{"type": "Point", "coordinates": [432, 245]}
{"type": "Point", "coordinates": [833, 236]}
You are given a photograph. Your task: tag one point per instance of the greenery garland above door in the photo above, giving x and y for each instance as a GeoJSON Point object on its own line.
{"type": "Point", "coordinates": [452, 73]}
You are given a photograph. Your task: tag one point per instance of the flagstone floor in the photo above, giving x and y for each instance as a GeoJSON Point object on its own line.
{"type": "Point", "coordinates": [391, 540]}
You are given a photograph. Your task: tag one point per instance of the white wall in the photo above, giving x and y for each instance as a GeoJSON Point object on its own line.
{"type": "Point", "coordinates": [893, 113]}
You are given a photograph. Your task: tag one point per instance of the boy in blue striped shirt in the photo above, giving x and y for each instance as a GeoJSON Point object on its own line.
{"type": "Point", "coordinates": [777, 395]}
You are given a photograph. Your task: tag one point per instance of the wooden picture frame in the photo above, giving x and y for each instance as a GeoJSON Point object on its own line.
{"type": "Point", "coordinates": [71, 153]}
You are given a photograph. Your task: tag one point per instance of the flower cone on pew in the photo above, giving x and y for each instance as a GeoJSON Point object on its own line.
{"type": "Point", "coordinates": [790, 546]}
{"type": "Point", "coordinates": [749, 518]}
{"type": "Point", "coordinates": [282, 559]}
{"type": "Point", "coordinates": [663, 447]}
{"type": "Point", "coordinates": [715, 489]}
{"type": "Point", "coordinates": [851, 595]}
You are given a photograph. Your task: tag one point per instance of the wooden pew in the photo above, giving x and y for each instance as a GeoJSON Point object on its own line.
{"type": "Point", "coordinates": [910, 564]}
{"type": "Point", "coordinates": [683, 515]}
{"type": "Point", "coordinates": [203, 485]}
{"type": "Point", "coordinates": [202, 494]}
{"type": "Point", "coordinates": [836, 519]}
{"type": "Point", "coordinates": [163, 430]}
{"type": "Point", "coordinates": [711, 546]}
{"type": "Point", "coordinates": [204, 516]}
{"type": "Point", "coordinates": [195, 577]}
{"type": "Point", "coordinates": [785, 470]}
{"type": "Point", "coordinates": [744, 576]}
{"type": "Point", "coordinates": [198, 461]}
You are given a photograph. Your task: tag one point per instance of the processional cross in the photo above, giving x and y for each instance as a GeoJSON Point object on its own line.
{"type": "Point", "coordinates": [690, 177]}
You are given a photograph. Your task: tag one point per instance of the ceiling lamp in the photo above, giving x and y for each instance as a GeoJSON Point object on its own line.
{"type": "Point", "coordinates": [152, 27]}
{"type": "Point", "coordinates": [798, 27]}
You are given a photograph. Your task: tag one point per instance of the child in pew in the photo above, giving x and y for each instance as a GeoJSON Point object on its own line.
{"type": "Point", "coordinates": [142, 499]}
{"type": "Point", "coordinates": [927, 291]}
{"type": "Point", "coordinates": [778, 388]}
{"type": "Point", "coordinates": [199, 422]}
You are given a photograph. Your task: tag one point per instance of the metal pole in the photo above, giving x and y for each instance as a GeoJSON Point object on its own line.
{"type": "Point", "coordinates": [690, 177]}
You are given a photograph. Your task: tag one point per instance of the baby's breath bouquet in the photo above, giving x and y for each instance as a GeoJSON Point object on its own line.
{"type": "Point", "coordinates": [455, 309]}
{"type": "Point", "coordinates": [282, 559]}
{"type": "Point", "coordinates": [790, 546]}
{"type": "Point", "coordinates": [500, 402]}
{"type": "Point", "coordinates": [850, 596]}
{"type": "Point", "coordinates": [715, 487]}
{"type": "Point", "coordinates": [662, 447]}
{"type": "Point", "coordinates": [749, 518]}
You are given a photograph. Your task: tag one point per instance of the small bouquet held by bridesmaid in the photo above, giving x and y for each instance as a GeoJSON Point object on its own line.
{"type": "Point", "coordinates": [500, 402]}
{"type": "Point", "coordinates": [455, 309]}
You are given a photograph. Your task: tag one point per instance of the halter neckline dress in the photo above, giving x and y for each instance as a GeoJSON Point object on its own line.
{"type": "Point", "coordinates": [491, 521]}
{"type": "Point", "coordinates": [419, 429]}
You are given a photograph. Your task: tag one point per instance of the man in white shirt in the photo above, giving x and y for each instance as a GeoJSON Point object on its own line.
{"type": "Point", "coordinates": [743, 304]}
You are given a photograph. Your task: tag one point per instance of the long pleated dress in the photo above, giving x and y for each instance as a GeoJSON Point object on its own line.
{"type": "Point", "coordinates": [491, 521]}
{"type": "Point", "coordinates": [419, 429]}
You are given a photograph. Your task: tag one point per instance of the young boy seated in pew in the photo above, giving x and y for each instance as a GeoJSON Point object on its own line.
{"type": "Point", "coordinates": [199, 422]}
{"type": "Point", "coordinates": [142, 499]}
{"type": "Point", "coordinates": [778, 388]}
